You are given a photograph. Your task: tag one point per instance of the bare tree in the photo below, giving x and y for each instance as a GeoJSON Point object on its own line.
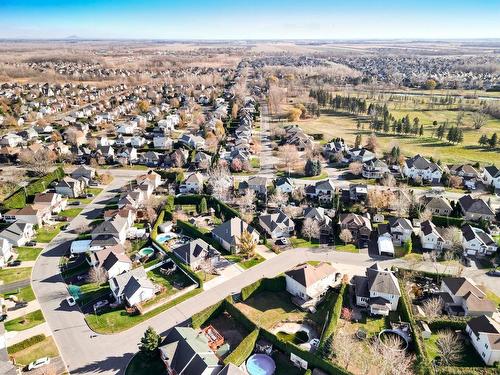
{"type": "Point", "coordinates": [278, 198]}
{"type": "Point", "coordinates": [356, 168]}
{"type": "Point", "coordinates": [450, 347]}
{"type": "Point", "coordinates": [289, 157]}
{"type": "Point", "coordinates": [310, 229]}
{"type": "Point", "coordinates": [72, 134]}
{"type": "Point", "coordinates": [479, 119]}
{"type": "Point", "coordinates": [292, 211]}
{"type": "Point", "coordinates": [390, 359]}
{"type": "Point", "coordinates": [380, 199]}
{"type": "Point", "coordinates": [40, 162]}
{"type": "Point", "coordinates": [97, 275]}
{"type": "Point", "coordinates": [299, 193]}
{"type": "Point", "coordinates": [425, 215]}
{"type": "Point", "coordinates": [345, 235]}
{"type": "Point", "coordinates": [453, 237]}
{"type": "Point", "coordinates": [343, 345]}
{"type": "Point", "coordinates": [219, 181]}
{"type": "Point", "coordinates": [247, 200]}
{"type": "Point", "coordinates": [388, 180]}
{"type": "Point", "coordinates": [433, 307]}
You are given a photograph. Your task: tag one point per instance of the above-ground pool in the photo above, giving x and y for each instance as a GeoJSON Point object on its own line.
{"type": "Point", "coordinates": [260, 364]}
{"type": "Point", "coordinates": [74, 291]}
{"type": "Point", "coordinates": [146, 252]}
{"type": "Point", "coordinates": [162, 238]}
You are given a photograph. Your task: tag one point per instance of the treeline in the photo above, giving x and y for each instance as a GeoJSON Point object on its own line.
{"type": "Point", "coordinates": [491, 142]}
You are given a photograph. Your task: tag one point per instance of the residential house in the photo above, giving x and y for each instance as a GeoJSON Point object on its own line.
{"type": "Point", "coordinates": [461, 296]}
{"type": "Point", "coordinates": [28, 214]}
{"type": "Point", "coordinates": [228, 233]}
{"type": "Point", "coordinates": [162, 142]}
{"type": "Point", "coordinates": [378, 291]}
{"type": "Point", "coordinates": [360, 154]}
{"type": "Point", "coordinates": [419, 168]}
{"type": "Point", "coordinates": [308, 284]}
{"type": "Point", "coordinates": [491, 176]}
{"type": "Point", "coordinates": [112, 259]}
{"type": "Point", "coordinates": [126, 128]}
{"type": "Point", "coordinates": [359, 226]}
{"type": "Point", "coordinates": [484, 333]}
{"type": "Point", "coordinates": [401, 230]}
{"type": "Point", "coordinates": [193, 183]}
{"type": "Point", "coordinates": [53, 202]}
{"type": "Point", "coordinates": [475, 209]}
{"type": "Point", "coordinates": [358, 192]}
{"type": "Point", "coordinates": [257, 184]}
{"type": "Point", "coordinates": [197, 254]}
{"type": "Point", "coordinates": [5, 251]}
{"type": "Point", "coordinates": [437, 205]}
{"type": "Point", "coordinates": [318, 214]}
{"type": "Point", "coordinates": [476, 241]}
{"type": "Point", "coordinates": [192, 141]}
{"type": "Point", "coordinates": [321, 190]}
{"type": "Point", "coordinates": [374, 168]}
{"type": "Point", "coordinates": [284, 184]}
{"type": "Point", "coordinates": [467, 172]}
{"type": "Point", "coordinates": [132, 287]}
{"type": "Point", "coordinates": [18, 233]}
{"type": "Point", "coordinates": [430, 238]}
{"type": "Point", "coordinates": [150, 158]}
{"type": "Point", "coordinates": [277, 224]}
{"type": "Point", "coordinates": [116, 227]}
{"type": "Point", "coordinates": [83, 171]}
{"type": "Point", "coordinates": [202, 160]}
{"type": "Point", "coordinates": [70, 187]}
{"type": "Point", "coordinates": [186, 351]}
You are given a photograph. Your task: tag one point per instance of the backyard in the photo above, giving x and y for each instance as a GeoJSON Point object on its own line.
{"type": "Point", "coordinates": [469, 356]}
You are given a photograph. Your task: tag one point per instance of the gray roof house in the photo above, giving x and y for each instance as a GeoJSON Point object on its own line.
{"type": "Point", "coordinates": [277, 224]}
{"type": "Point", "coordinates": [475, 208]}
{"type": "Point", "coordinates": [229, 233]}
{"type": "Point", "coordinates": [195, 252]}
{"type": "Point", "coordinates": [132, 287]}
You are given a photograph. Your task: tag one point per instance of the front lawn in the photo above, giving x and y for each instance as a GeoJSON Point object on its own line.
{"type": "Point", "coordinates": [44, 348]}
{"type": "Point", "coordinates": [24, 322]}
{"type": "Point", "coordinates": [23, 294]}
{"type": "Point", "coordinates": [118, 320]}
{"type": "Point", "coordinates": [27, 253]}
{"type": "Point", "coordinates": [92, 292]}
{"type": "Point", "coordinates": [9, 275]}
{"type": "Point", "coordinates": [243, 262]}
{"type": "Point", "coordinates": [141, 365]}
{"type": "Point", "coordinates": [349, 248]}
{"type": "Point", "coordinates": [301, 242]}
{"type": "Point", "coordinates": [70, 212]}
{"type": "Point", "coordinates": [48, 232]}
{"type": "Point", "coordinates": [205, 276]}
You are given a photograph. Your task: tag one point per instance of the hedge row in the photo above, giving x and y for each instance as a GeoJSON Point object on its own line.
{"type": "Point", "coordinates": [159, 220]}
{"type": "Point", "coordinates": [26, 343]}
{"type": "Point", "coordinates": [276, 284]}
{"type": "Point", "coordinates": [20, 197]}
{"type": "Point", "coordinates": [433, 275]}
{"type": "Point", "coordinates": [334, 315]}
{"type": "Point", "coordinates": [468, 370]}
{"type": "Point", "coordinates": [198, 319]}
{"type": "Point", "coordinates": [447, 221]}
{"type": "Point", "coordinates": [243, 350]}
{"type": "Point", "coordinates": [454, 324]}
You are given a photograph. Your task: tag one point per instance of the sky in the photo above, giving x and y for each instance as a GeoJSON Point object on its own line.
{"type": "Point", "coordinates": [256, 19]}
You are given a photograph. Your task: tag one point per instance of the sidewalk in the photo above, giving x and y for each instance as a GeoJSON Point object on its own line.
{"type": "Point", "coordinates": [13, 337]}
{"type": "Point", "coordinates": [264, 252]}
{"type": "Point", "coordinates": [13, 314]}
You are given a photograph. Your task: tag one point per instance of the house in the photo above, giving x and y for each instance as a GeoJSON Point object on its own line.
{"type": "Point", "coordinates": [475, 209]}
{"type": "Point", "coordinates": [257, 184]}
{"type": "Point", "coordinates": [132, 287]}
{"type": "Point", "coordinates": [484, 333]}
{"type": "Point", "coordinates": [112, 260]}
{"type": "Point", "coordinates": [358, 192]}
{"type": "Point", "coordinates": [476, 241]}
{"type": "Point", "coordinates": [491, 176]}
{"type": "Point", "coordinates": [384, 241]}
{"type": "Point", "coordinates": [461, 296]}
{"type": "Point", "coordinates": [70, 187]}
{"type": "Point", "coordinates": [322, 190]}
{"type": "Point", "coordinates": [151, 177]}
{"type": "Point", "coordinates": [116, 227]}
{"type": "Point", "coordinates": [162, 142]}
{"type": "Point", "coordinates": [359, 226]}
{"type": "Point", "coordinates": [437, 205]}
{"type": "Point", "coordinates": [151, 158]}
{"type": "Point", "coordinates": [419, 168]}
{"type": "Point", "coordinates": [308, 284]}
{"type": "Point", "coordinates": [319, 215]}
{"type": "Point", "coordinates": [430, 238]}
{"type": "Point", "coordinates": [5, 251]}
{"type": "Point", "coordinates": [83, 171]}
{"type": "Point", "coordinates": [401, 230]}
{"type": "Point", "coordinates": [53, 202]}
{"type": "Point", "coordinates": [192, 141]}
{"type": "Point", "coordinates": [228, 233]}
{"type": "Point", "coordinates": [186, 351]}
{"type": "Point", "coordinates": [467, 172]}
{"type": "Point", "coordinates": [378, 290]}
{"type": "Point", "coordinates": [196, 252]}
{"type": "Point", "coordinates": [193, 183]}
{"type": "Point", "coordinates": [28, 214]}
{"type": "Point", "coordinates": [374, 168]}
{"type": "Point", "coordinates": [360, 154]}
{"type": "Point", "coordinates": [277, 224]}
{"type": "Point", "coordinates": [284, 184]}
{"type": "Point", "coordinates": [126, 128]}
{"type": "Point", "coordinates": [18, 233]}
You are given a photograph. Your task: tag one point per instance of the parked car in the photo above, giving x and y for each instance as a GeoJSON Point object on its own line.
{"type": "Point", "coordinates": [495, 272]}
{"type": "Point", "coordinates": [3, 317]}
{"type": "Point", "coordinates": [100, 304]}
{"type": "Point", "coordinates": [20, 305]}
{"type": "Point", "coordinates": [40, 362]}
{"type": "Point", "coordinates": [64, 227]}
{"type": "Point", "coordinates": [89, 195]}
{"type": "Point", "coordinates": [14, 263]}
{"type": "Point", "coordinates": [74, 203]}
{"type": "Point", "coordinates": [282, 241]}
{"type": "Point", "coordinates": [71, 301]}
{"type": "Point", "coordinates": [30, 243]}
{"type": "Point", "coordinates": [93, 183]}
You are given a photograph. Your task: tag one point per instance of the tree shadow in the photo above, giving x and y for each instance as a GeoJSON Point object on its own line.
{"type": "Point", "coordinates": [114, 364]}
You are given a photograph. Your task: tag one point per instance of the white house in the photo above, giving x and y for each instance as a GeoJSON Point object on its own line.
{"type": "Point", "coordinates": [18, 233]}
{"type": "Point", "coordinates": [378, 291]}
{"type": "Point", "coordinates": [277, 224]}
{"type": "Point", "coordinates": [284, 184]}
{"type": "Point", "coordinates": [192, 184]}
{"type": "Point", "coordinates": [484, 333]}
{"type": "Point", "coordinates": [385, 245]}
{"type": "Point", "coordinates": [491, 176]}
{"type": "Point", "coordinates": [419, 167]}
{"type": "Point", "coordinates": [162, 142]}
{"type": "Point", "coordinates": [401, 230]}
{"type": "Point", "coordinates": [476, 241]}
{"type": "Point", "coordinates": [430, 238]}
{"type": "Point", "coordinates": [308, 283]}
{"type": "Point", "coordinates": [5, 252]}
{"type": "Point", "coordinates": [127, 128]}
{"type": "Point", "coordinates": [132, 287]}
{"type": "Point", "coordinates": [69, 187]}
{"type": "Point", "coordinates": [228, 233]}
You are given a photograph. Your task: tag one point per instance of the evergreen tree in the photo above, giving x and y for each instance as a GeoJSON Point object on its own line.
{"type": "Point", "coordinates": [493, 140]}
{"type": "Point", "coordinates": [484, 141]}
{"type": "Point", "coordinates": [421, 131]}
{"type": "Point", "coordinates": [357, 142]}
{"type": "Point", "coordinates": [202, 206]}
{"type": "Point", "coordinates": [312, 167]}
{"type": "Point", "coordinates": [149, 343]}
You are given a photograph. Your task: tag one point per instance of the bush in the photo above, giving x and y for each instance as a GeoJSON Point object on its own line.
{"type": "Point", "coordinates": [334, 316]}
{"type": "Point", "coordinates": [198, 319]}
{"type": "Point", "coordinates": [159, 220]}
{"type": "Point", "coordinates": [26, 343]}
{"type": "Point", "coordinates": [446, 221]}
{"type": "Point", "coordinates": [276, 284]}
{"type": "Point", "coordinates": [243, 350]}
{"type": "Point", "coordinates": [454, 324]}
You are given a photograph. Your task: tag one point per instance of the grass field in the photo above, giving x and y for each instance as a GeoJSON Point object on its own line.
{"type": "Point", "coordinates": [342, 125]}
{"type": "Point", "coordinates": [9, 275]}
{"type": "Point", "coordinates": [24, 322]}
{"type": "Point", "coordinates": [45, 348]}
{"type": "Point", "coordinates": [23, 294]}
{"type": "Point", "coordinates": [48, 232]}
{"type": "Point", "coordinates": [71, 212]}
{"type": "Point", "coordinates": [27, 253]}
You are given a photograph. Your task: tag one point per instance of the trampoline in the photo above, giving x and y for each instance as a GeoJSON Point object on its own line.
{"type": "Point", "coordinates": [260, 364]}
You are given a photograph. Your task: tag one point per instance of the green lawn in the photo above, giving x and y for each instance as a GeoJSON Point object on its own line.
{"type": "Point", "coordinates": [255, 162]}
{"type": "Point", "coordinates": [24, 322]}
{"type": "Point", "coordinates": [45, 348]}
{"type": "Point", "coordinates": [244, 262]}
{"type": "Point", "coordinates": [92, 292]}
{"type": "Point", "coordinates": [349, 248]}
{"type": "Point", "coordinates": [22, 294]}
{"type": "Point", "coordinates": [48, 232]}
{"type": "Point", "coordinates": [470, 358]}
{"type": "Point", "coordinates": [491, 295]}
{"type": "Point", "coordinates": [141, 365]}
{"type": "Point", "coordinates": [168, 281]}
{"type": "Point", "coordinates": [9, 275]}
{"type": "Point", "coordinates": [27, 253]}
{"type": "Point", "coordinates": [118, 320]}
{"type": "Point", "coordinates": [71, 212]}
{"type": "Point", "coordinates": [205, 276]}
{"type": "Point", "coordinates": [301, 242]}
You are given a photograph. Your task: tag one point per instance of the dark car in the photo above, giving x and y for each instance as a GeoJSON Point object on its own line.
{"type": "Point", "coordinates": [3, 317]}
{"type": "Point", "coordinates": [31, 243]}
{"type": "Point", "coordinates": [14, 263]}
{"type": "Point", "coordinates": [20, 305]}
{"type": "Point", "coordinates": [495, 272]}
{"type": "Point", "coordinates": [74, 203]}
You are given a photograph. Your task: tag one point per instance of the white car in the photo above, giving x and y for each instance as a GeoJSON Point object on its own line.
{"type": "Point", "coordinates": [40, 362]}
{"type": "Point", "coordinates": [71, 301]}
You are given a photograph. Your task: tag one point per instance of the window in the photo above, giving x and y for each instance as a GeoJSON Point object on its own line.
{"type": "Point", "coordinates": [486, 346]}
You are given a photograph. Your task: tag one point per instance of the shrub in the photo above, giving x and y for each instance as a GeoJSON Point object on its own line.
{"type": "Point", "coordinates": [334, 315]}
{"type": "Point", "coordinates": [276, 284]}
{"type": "Point", "coordinates": [26, 343]}
{"type": "Point", "coordinates": [243, 350]}
{"type": "Point", "coordinates": [198, 319]}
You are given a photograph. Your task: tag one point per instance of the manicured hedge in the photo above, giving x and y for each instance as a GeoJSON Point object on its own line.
{"type": "Point", "coordinates": [454, 324]}
{"type": "Point", "coordinates": [276, 284]}
{"type": "Point", "coordinates": [159, 220]}
{"type": "Point", "coordinates": [468, 370]}
{"type": "Point", "coordinates": [243, 350]}
{"type": "Point", "coordinates": [239, 316]}
{"type": "Point", "coordinates": [334, 316]}
{"type": "Point", "coordinates": [26, 343]}
{"type": "Point", "coordinates": [221, 209]}
{"type": "Point", "coordinates": [197, 320]}
{"type": "Point", "coordinates": [447, 221]}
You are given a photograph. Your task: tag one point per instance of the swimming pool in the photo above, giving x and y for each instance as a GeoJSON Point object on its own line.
{"type": "Point", "coordinates": [162, 238]}
{"type": "Point", "coordinates": [260, 364]}
{"type": "Point", "coordinates": [146, 252]}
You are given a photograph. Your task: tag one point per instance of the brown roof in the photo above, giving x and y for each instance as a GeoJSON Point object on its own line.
{"type": "Point", "coordinates": [307, 274]}
{"type": "Point", "coordinates": [474, 303]}
{"type": "Point", "coordinates": [460, 286]}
